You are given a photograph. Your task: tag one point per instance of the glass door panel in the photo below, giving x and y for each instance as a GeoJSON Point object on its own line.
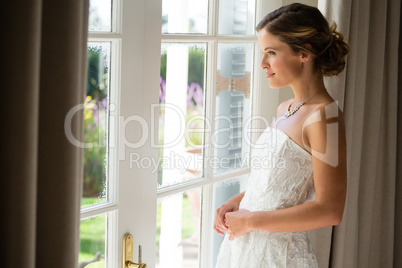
{"type": "Point", "coordinates": [95, 155]}
{"type": "Point", "coordinates": [185, 16]}
{"type": "Point", "coordinates": [181, 112]}
{"type": "Point", "coordinates": [233, 106]}
{"type": "Point", "coordinates": [96, 121]}
{"type": "Point", "coordinates": [236, 17]}
{"type": "Point", "coordinates": [192, 157]}
{"type": "Point", "coordinates": [100, 16]}
{"type": "Point", "coordinates": [178, 230]}
{"type": "Point", "coordinates": [92, 242]}
{"type": "Point", "coordinates": [96, 226]}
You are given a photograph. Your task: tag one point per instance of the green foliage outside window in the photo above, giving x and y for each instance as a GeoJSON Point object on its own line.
{"type": "Point", "coordinates": [95, 123]}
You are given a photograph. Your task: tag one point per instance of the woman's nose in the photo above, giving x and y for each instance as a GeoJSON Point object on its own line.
{"type": "Point", "coordinates": [264, 63]}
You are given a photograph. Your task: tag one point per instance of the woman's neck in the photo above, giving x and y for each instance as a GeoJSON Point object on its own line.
{"type": "Point", "coordinates": [307, 88]}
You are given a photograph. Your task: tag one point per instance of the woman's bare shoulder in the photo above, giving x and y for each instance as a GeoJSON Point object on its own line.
{"type": "Point", "coordinates": [324, 126]}
{"type": "Point", "coordinates": [322, 104]}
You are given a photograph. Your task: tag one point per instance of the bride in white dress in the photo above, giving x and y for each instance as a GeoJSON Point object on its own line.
{"type": "Point", "coordinates": [304, 185]}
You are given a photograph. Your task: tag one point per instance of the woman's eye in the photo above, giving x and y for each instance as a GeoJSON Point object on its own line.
{"type": "Point", "coordinates": [271, 53]}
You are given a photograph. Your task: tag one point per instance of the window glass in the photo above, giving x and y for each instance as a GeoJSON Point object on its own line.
{"type": "Point", "coordinates": [233, 106]}
{"type": "Point", "coordinates": [92, 242]}
{"type": "Point", "coordinates": [185, 16]}
{"type": "Point", "coordinates": [95, 160]}
{"type": "Point", "coordinates": [184, 129]}
{"type": "Point", "coordinates": [100, 16]}
{"type": "Point", "coordinates": [236, 17]}
{"type": "Point", "coordinates": [181, 121]}
{"type": "Point", "coordinates": [178, 229]}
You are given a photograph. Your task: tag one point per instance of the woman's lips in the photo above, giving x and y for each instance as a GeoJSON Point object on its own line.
{"type": "Point", "coordinates": [270, 75]}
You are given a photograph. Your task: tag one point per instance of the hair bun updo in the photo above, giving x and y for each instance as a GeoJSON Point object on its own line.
{"type": "Point", "coordinates": [298, 24]}
{"type": "Point", "coordinates": [331, 61]}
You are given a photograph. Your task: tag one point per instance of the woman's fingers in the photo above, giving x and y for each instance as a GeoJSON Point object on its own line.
{"type": "Point", "coordinates": [222, 225]}
{"type": "Point", "coordinates": [227, 215]}
{"type": "Point", "coordinates": [232, 236]}
{"type": "Point", "coordinates": [218, 231]}
{"type": "Point", "coordinates": [219, 222]}
{"type": "Point", "coordinates": [221, 219]}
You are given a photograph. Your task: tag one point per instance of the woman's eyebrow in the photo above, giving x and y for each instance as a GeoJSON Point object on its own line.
{"type": "Point", "coordinates": [273, 48]}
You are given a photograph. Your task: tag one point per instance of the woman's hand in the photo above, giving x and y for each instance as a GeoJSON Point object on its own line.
{"type": "Point", "coordinates": [219, 222]}
{"type": "Point", "coordinates": [237, 223]}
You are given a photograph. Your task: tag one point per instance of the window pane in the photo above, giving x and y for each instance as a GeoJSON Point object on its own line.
{"type": "Point", "coordinates": [181, 121]}
{"type": "Point", "coordinates": [233, 106]}
{"type": "Point", "coordinates": [185, 16]}
{"type": "Point", "coordinates": [96, 125]}
{"type": "Point", "coordinates": [92, 241]}
{"type": "Point", "coordinates": [236, 17]}
{"type": "Point", "coordinates": [100, 15]}
{"type": "Point", "coordinates": [178, 230]}
{"type": "Point", "coordinates": [223, 191]}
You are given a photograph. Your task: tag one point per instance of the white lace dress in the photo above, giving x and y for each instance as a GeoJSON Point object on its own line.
{"type": "Point", "coordinates": [281, 177]}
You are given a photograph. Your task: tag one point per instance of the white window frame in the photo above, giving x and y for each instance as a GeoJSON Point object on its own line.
{"type": "Point", "coordinates": [212, 39]}
{"type": "Point", "coordinates": [110, 208]}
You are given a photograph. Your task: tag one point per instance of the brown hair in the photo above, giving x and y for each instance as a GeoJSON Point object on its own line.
{"type": "Point", "coordinates": [297, 24]}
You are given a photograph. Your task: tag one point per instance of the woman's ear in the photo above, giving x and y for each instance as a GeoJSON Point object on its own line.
{"type": "Point", "coordinates": [305, 56]}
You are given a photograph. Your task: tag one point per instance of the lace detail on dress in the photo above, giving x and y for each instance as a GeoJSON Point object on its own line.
{"type": "Point", "coordinates": [281, 177]}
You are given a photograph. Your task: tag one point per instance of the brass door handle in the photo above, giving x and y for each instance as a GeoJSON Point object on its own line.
{"type": "Point", "coordinates": [136, 265]}
{"type": "Point", "coordinates": [128, 253]}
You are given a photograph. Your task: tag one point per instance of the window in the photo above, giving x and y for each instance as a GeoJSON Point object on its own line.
{"type": "Point", "coordinates": [98, 203]}
{"type": "Point", "coordinates": [203, 108]}
{"type": "Point", "coordinates": [207, 79]}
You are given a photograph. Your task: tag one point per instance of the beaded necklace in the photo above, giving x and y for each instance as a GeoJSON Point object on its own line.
{"type": "Point", "coordinates": [290, 112]}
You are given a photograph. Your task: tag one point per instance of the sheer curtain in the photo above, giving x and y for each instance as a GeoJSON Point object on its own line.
{"type": "Point", "coordinates": [370, 233]}
{"type": "Point", "coordinates": [43, 77]}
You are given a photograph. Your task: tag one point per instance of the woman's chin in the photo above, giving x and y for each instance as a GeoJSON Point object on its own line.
{"type": "Point", "coordinates": [274, 85]}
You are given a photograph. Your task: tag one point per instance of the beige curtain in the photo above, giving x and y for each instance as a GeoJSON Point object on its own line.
{"type": "Point", "coordinates": [370, 234]}
{"type": "Point", "coordinates": [398, 185]}
{"type": "Point", "coordinates": [42, 78]}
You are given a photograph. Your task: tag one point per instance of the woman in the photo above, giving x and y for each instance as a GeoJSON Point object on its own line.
{"type": "Point", "coordinates": [304, 187]}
